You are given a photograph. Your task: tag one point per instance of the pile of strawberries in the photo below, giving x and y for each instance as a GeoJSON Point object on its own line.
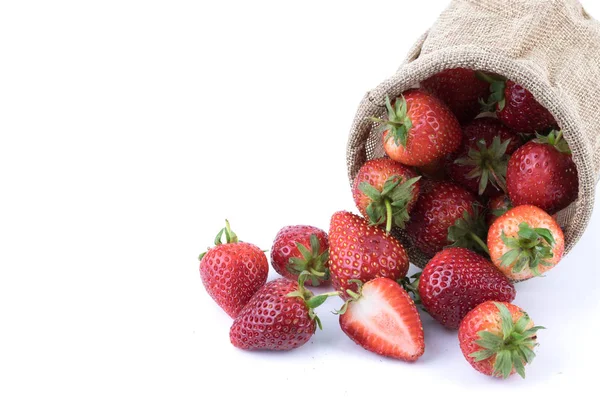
{"type": "Point", "coordinates": [475, 171]}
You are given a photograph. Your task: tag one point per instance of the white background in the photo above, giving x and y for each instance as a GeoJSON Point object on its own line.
{"type": "Point", "coordinates": [131, 130]}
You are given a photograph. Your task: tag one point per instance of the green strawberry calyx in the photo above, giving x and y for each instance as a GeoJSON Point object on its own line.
{"type": "Point", "coordinates": [398, 122]}
{"type": "Point", "coordinates": [311, 300]}
{"type": "Point", "coordinates": [354, 296]}
{"type": "Point", "coordinates": [497, 98]}
{"type": "Point", "coordinates": [506, 205]}
{"type": "Point", "coordinates": [312, 260]}
{"type": "Point", "coordinates": [230, 237]}
{"type": "Point", "coordinates": [469, 232]}
{"type": "Point", "coordinates": [513, 348]}
{"type": "Point", "coordinates": [412, 287]}
{"type": "Point", "coordinates": [530, 248]}
{"type": "Point", "coordinates": [556, 139]}
{"type": "Point", "coordinates": [488, 164]}
{"type": "Point", "coordinates": [390, 205]}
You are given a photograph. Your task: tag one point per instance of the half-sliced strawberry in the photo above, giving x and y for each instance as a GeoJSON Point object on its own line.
{"type": "Point", "coordinates": [382, 318]}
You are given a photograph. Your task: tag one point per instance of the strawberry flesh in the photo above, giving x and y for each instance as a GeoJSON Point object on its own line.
{"type": "Point", "coordinates": [384, 320]}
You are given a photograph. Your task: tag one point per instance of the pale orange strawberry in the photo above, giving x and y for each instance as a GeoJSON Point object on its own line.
{"type": "Point", "coordinates": [525, 242]}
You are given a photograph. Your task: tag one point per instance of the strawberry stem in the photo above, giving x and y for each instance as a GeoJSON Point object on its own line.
{"type": "Point", "coordinates": [316, 273]}
{"type": "Point", "coordinates": [388, 223]}
{"type": "Point", "coordinates": [480, 242]}
{"type": "Point", "coordinates": [312, 301]}
{"type": "Point", "coordinates": [390, 205]}
{"type": "Point", "coordinates": [352, 294]}
{"type": "Point", "coordinates": [230, 238]}
{"type": "Point", "coordinates": [469, 232]}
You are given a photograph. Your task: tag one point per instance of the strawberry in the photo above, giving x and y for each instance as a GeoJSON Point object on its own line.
{"type": "Point", "coordinates": [480, 165]}
{"type": "Point", "coordinates": [436, 171]}
{"type": "Point", "coordinates": [382, 318]}
{"type": "Point", "coordinates": [497, 207]}
{"type": "Point", "coordinates": [498, 338]}
{"type": "Point", "coordinates": [279, 316]}
{"type": "Point", "coordinates": [542, 173]}
{"type": "Point", "coordinates": [445, 214]}
{"type": "Point", "coordinates": [419, 129]}
{"type": "Point", "coordinates": [300, 248]}
{"type": "Point", "coordinates": [385, 192]}
{"type": "Point", "coordinates": [362, 252]}
{"type": "Point", "coordinates": [525, 242]}
{"type": "Point", "coordinates": [516, 107]}
{"type": "Point", "coordinates": [233, 272]}
{"type": "Point", "coordinates": [460, 89]}
{"type": "Point", "coordinates": [456, 280]}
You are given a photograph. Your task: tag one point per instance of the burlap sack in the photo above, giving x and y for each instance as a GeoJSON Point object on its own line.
{"type": "Point", "coordinates": [551, 47]}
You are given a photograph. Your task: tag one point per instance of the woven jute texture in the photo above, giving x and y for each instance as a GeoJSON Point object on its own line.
{"type": "Point", "coordinates": [550, 47]}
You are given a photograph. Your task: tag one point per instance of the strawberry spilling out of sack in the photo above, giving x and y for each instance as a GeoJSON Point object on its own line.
{"type": "Point", "coordinates": [473, 174]}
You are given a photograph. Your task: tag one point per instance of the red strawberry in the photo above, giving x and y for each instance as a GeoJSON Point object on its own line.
{"type": "Point", "coordinates": [525, 242]}
{"type": "Point", "coordinates": [383, 319]}
{"type": "Point", "coordinates": [487, 128]}
{"type": "Point", "coordinates": [385, 192]}
{"type": "Point", "coordinates": [456, 280]}
{"type": "Point", "coordinates": [444, 215]}
{"type": "Point", "coordinates": [460, 89]}
{"type": "Point", "coordinates": [436, 171]}
{"type": "Point", "coordinates": [279, 316]}
{"type": "Point", "coordinates": [358, 251]}
{"type": "Point", "coordinates": [300, 248]}
{"type": "Point", "coordinates": [419, 129]}
{"type": "Point", "coordinates": [497, 207]}
{"type": "Point", "coordinates": [542, 173]}
{"type": "Point", "coordinates": [516, 107]}
{"type": "Point", "coordinates": [481, 163]}
{"type": "Point", "coordinates": [233, 272]}
{"type": "Point", "coordinates": [498, 339]}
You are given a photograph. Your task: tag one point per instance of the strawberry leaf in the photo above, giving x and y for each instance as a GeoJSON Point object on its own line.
{"type": "Point", "coordinates": [370, 191]}
{"type": "Point", "coordinates": [398, 123]}
{"type": "Point", "coordinates": [517, 362]}
{"type": "Point", "coordinates": [390, 206]}
{"type": "Point", "coordinates": [513, 348]}
{"type": "Point", "coordinates": [554, 138]}
{"type": "Point", "coordinates": [497, 86]}
{"type": "Point", "coordinates": [503, 365]}
{"type": "Point", "coordinates": [487, 163]}
{"type": "Point", "coordinates": [530, 248]}
{"type": "Point", "coordinates": [481, 355]}
{"type": "Point", "coordinates": [470, 231]}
